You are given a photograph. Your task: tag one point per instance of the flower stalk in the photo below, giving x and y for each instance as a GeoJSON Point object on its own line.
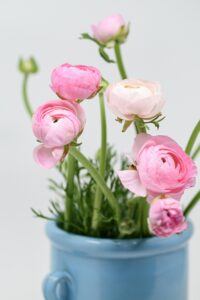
{"type": "Point", "coordinates": [25, 95]}
{"type": "Point", "coordinates": [99, 180]}
{"type": "Point", "coordinates": [98, 194]}
{"type": "Point", "coordinates": [71, 167]}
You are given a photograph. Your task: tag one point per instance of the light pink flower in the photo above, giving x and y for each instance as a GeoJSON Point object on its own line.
{"type": "Point", "coordinates": [160, 167]}
{"type": "Point", "coordinates": [75, 82]}
{"type": "Point", "coordinates": [57, 123]}
{"type": "Point", "coordinates": [108, 28]}
{"type": "Point", "coordinates": [132, 97]}
{"type": "Point", "coordinates": [48, 157]}
{"type": "Point", "coordinates": [166, 217]}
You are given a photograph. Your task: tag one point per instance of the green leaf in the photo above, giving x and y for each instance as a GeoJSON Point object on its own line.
{"type": "Point", "coordinates": [86, 36]}
{"type": "Point", "coordinates": [193, 138]}
{"type": "Point", "coordinates": [192, 204]}
{"type": "Point", "coordinates": [196, 152]}
{"type": "Point", "coordinates": [105, 56]}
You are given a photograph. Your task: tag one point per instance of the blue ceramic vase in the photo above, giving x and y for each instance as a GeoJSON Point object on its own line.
{"type": "Point", "coordinates": [84, 268]}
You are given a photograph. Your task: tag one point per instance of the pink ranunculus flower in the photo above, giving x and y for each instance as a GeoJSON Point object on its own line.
{"type": "Point", "coordinates": [166, 217]}
{"type": "Point", "coordinates": [75, 82]}
{"type": "Point", "coordinates": [56, 124]}
{"type": "Point", "coordinates": [109, 28]}
{"type": "Point", "coordinates": [160, 167]}
{"type": "Point", "coordinates": [132, 97]}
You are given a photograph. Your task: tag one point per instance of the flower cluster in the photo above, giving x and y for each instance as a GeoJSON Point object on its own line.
{"type": "Point", "coordinates": [58, 123]}
{"type": "Point", "coordinates": [160, 170]}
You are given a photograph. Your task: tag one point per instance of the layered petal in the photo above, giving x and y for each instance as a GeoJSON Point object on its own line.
{"type": "Point", "coordinates": [48, 157]}
{"type": "Point", "coordinates": [131, 181]}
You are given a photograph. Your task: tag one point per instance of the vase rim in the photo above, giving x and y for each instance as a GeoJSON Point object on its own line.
{"type": "Point", "coordinates": [115, 248]}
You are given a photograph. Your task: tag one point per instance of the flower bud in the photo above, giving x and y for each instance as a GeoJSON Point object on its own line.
{"type": "Point", "coordinates": [166, 217]}
{"type": "Point", "coordinates": [75, 83]}
{"type": "Point", "coordinates": [110, 30]}
{"type": "Point", "coordinates": [28, 66]}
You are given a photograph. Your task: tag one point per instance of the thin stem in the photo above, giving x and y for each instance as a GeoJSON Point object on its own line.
{"type": "Point", "coordinates": [192, 204]}
{"type": "Point", "coordinates": [25, 96]}
{"type": "Point", "coordinates": [123, 74]}
{"type": "Point", "coordinates": [193, 138]}
{"type": "Point", "coordinates": [98, 195]}
{"type": "Point", "coordinates": [196, 152]}
{"type": "Point", "coordinates": [71, 166]}
{"type": "Point", "coordinates": [99, 180]}
{"type": "Point", "coordinates": [119, 60]}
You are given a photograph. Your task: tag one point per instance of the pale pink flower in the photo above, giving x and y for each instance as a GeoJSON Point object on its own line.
{"type": "Point", "coordinates": [108, 28]}
{"type": "Point", "coordinates": [56, 124]}
{"type": "Point", "coordinates": [75, 82]}
{"type": "Point", "coordinates": [132, 97]}
{"type": "Point", "coordinates": [166, 217]}
{"type": "Point", "coordinates": [160, 167]}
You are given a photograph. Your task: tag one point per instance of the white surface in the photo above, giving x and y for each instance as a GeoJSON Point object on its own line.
{"type": "Point", "coordinates": [164, 45]}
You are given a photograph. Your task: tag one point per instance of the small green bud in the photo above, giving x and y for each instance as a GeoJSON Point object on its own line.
{"type": "Point", "coordinates": [28, 66]}
{"type": "Point", "coordinates": [127, 227]}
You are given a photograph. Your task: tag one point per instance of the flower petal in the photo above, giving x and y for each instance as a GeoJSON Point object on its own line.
{"type": "Point", "coordinates": [131, 181]}
{"type": "Point", "coordinates": [48, 157]}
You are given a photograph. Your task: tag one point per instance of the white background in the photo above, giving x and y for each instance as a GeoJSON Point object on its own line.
{"type": "Point", "coordinates": [164, 45]}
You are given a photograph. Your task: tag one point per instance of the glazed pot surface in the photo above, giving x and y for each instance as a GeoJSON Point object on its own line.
{"type": "Point", "coordinates": [84, 268]}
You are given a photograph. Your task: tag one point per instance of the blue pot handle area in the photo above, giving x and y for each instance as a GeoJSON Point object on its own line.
{"type": "Point", "coordinates": [51, 285]}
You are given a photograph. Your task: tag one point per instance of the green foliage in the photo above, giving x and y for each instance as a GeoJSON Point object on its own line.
{"type": "Point", "coordinates": [83, 198]}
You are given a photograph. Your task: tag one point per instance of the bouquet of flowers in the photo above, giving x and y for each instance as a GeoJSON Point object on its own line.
{"type": "Point", "coordinates": [143, 196]}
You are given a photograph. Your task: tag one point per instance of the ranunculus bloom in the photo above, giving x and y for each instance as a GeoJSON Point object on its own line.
{"type": "Point", "coordinates": [108, 28]}
{"type": "Point", "coordinates": [132, 97]}
{"type": "Point", "coordinates": [75, 82]}
{"type": "Point", "coordinates": [166, 217]}
{"type": "Point", "coordinates": [160, 167]}
{"type": "Point", "coordinates": [56, 124]}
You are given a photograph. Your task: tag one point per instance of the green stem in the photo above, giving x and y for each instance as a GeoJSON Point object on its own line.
{"type": "Point", "coordinates": [99, 180]}
{"type": "Point", "coordinates": [193, 138]}
{"type": "Point", "coordinates": [71, 167]}
{"type": "Point", "coordinates": [25, 96]}
{"type": "Point", "coordinates": [119, 60]}
{"type": "Point", "coordinates": [98, 195]}
{"type": "Point", "coordinates": [196, 152]}
{"type": "Point", "coordinates": [192, 204]}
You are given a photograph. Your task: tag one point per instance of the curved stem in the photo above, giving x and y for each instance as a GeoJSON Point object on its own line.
{"type": "Point", "coordinates": [99, 180]}
{"type": "Point", "coordinates": [192, 204]}
{"type": "Point", "coordinates": [119, 60]}
{"type": "Point", "coordinates": [71, 166]}
{"type": "Point", "coordinates": [98, 195]}
{"type": "Point", "coordinates": [193, 138]}
{"type": "Point", "coordinates": [25, 96]}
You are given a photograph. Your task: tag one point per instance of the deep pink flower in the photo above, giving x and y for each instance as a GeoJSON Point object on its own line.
{"type": "Point", "coordinates": [75, 82]}
{"type": "Point", "coordinates": [160, 167]}
{"type": "Point", "coordinates": [108, 28]}
{"type": "Point", "coordinates": [166, 217]}
{"type": "Point", "coordinates": [56, 124]}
